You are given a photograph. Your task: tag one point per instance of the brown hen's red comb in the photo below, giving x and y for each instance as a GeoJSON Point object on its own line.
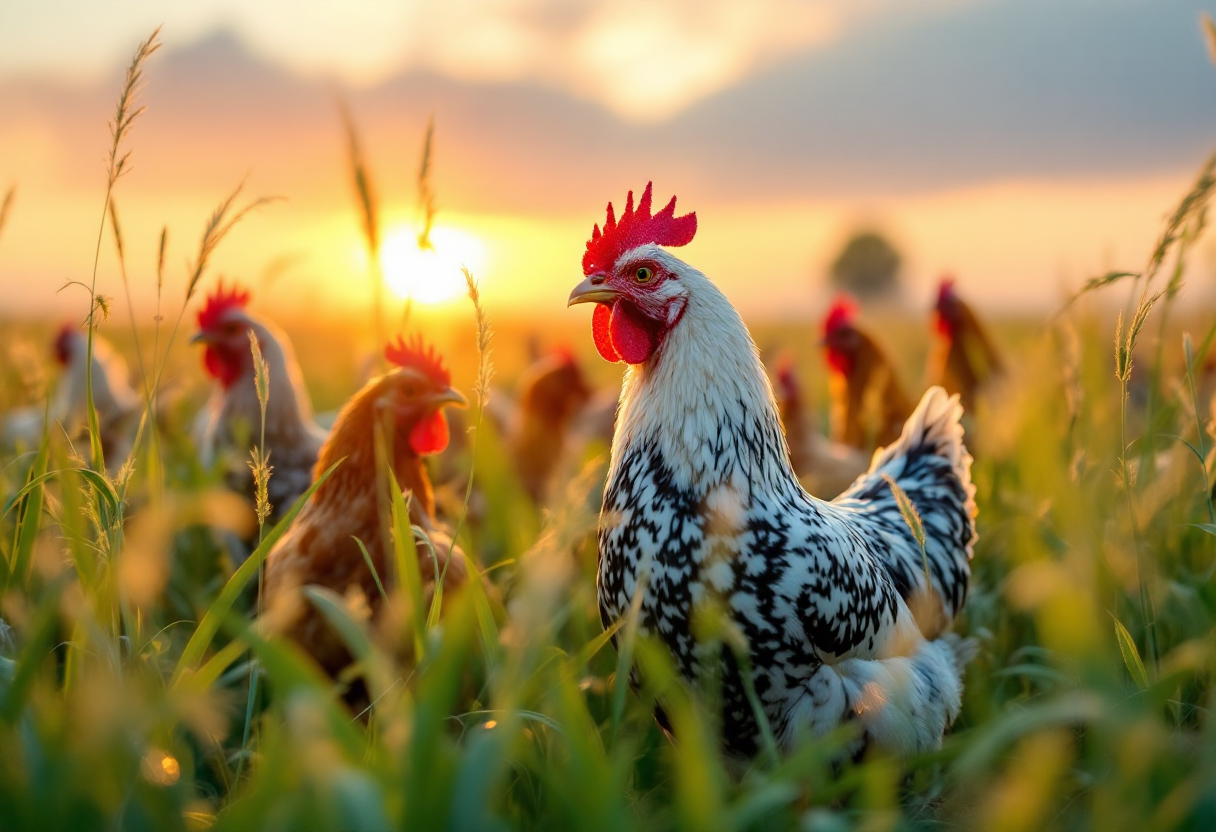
{"type": "Point", "coordinates": [219, 302]}
{"type": "Point", "coordinates": [842, 314]}
{"type": "Point", "coordinates": [636, 228]}
{"type": "Point", "coordinates": [418, 356]}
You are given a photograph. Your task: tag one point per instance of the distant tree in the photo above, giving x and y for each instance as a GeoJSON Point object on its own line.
{"type": "Point", "coordinates": [867, 267]}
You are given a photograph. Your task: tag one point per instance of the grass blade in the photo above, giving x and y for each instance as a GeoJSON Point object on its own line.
{"type": "Point", "coordinates": [1131, 656]}
{"type": "Point", "coordinates": [210, 625]}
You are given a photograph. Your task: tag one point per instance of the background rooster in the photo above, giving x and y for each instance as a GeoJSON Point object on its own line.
{"type": "Point", "coordinates": [319, 548]}
{"type": "Point", "coordinates": [869, 405]}
{"type": "Point", "coordinates": [824, 467]}
{"type": "Point", "coordinates": [845, 618]}
{"type": "Point", "coordinates": [963, 359]}
{"type": "Point", "coordinates": [554, 414]}
{"type": "Point", "coordinates": [231, 423]}
{"type": "Point", "coordinates": [117, 404]}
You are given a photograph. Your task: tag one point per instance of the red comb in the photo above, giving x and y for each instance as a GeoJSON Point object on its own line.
{"type": "Point", "coordinates": [563, 355]}
{"type": "Point", "coordinates": [842, 314]}
{"type": "Point", "coordinates": [636, 228]}
{"type": "Point", "coordinates": [418, 356]}
{"type": "Point", "coordinates": [219, 302]}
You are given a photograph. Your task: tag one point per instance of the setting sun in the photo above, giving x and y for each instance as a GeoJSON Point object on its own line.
{"type": "Point", "coordinates": [430, 275]}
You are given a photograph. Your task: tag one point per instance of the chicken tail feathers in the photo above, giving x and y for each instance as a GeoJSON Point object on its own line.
{"type": "Point", "coordinates": [935, 427]}
{"type": "Point", "coordinates": [902, 705]}
{"type": "Point", "coordinates": [930, 464]}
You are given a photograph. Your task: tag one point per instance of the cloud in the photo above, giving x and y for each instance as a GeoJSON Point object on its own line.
{"type": "Point", "coordinates": [643, 59]}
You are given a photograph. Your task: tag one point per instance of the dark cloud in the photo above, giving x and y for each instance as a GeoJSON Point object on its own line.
{"type": "Point", "coordinates": [1034, 88]}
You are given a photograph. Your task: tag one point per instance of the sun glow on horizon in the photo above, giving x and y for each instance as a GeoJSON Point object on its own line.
{"type": "Point", "coordinates": [432, 275]}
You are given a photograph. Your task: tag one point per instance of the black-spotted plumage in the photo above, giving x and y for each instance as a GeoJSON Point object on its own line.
{"type": "Point", "coordinates": [702, 508]}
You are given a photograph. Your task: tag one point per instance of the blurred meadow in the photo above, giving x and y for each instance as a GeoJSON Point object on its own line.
{"type": "Point", "coordinates": [140, 691]}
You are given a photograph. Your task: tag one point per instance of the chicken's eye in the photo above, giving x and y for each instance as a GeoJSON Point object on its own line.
{"type": "Point", "coordinates": [644, 274]}
{"type": "Point", "coordinates": [231, 327]}
{"type": "Point", "coordinates": [410, 391]}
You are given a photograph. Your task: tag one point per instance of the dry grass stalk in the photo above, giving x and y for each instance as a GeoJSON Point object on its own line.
{"type": "Point", "coordinates": [116, 227]}
{"type": "Point", "coordinates": [216, 229]}
{"type": "Point", "coordinates": [426, 194]}
{"type": "Point", "coordinates": [485, 371]}
{"type": "Point", "coordinates": [1209, 35]}
{"type": "Point", "coordinates": [124, 119]}
{"type": "Point", "coordinates": [5, 206]}
{"type": "Point", "coordinates": [260, 457]}
{"type": "Point", "coordinates": [365, 196]}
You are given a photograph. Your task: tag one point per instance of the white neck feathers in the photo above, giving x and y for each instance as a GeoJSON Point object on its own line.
{"type": "Point", "coordinates": [704, 401]}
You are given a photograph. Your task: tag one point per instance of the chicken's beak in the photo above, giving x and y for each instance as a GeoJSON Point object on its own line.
{"type": "Point", "coordinates": [450, 396]}
{"type": "Point", "coordinates": [201, 337]}
{"type": "Point", "coordinates": [592, 290]}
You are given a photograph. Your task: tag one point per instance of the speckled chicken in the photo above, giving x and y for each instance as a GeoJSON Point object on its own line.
{"type": "Point", "coordinates": [844, 619]}
{"type": "Point", "coordinates": [320, 546]}
{"type": "Point", "coordinates": [230, 425]}
{"type": "Point", "coordinates": [869, 405]}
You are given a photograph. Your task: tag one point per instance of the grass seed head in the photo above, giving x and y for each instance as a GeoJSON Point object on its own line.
{"type": "Point", "coordinates": [260, 465]}
{"type": "Point", "coordinates": [907, 510]}
{"type": "Point", "coordinates": [261, 372]}
{"type": "Point", "coordinates": [160, 258]}
{"type": "Point", "coordinates": [126, 111]}
{"type": "Point", "coordinates": [216, 229]}
{"type": "Point", "coordinates": [1123, 358]}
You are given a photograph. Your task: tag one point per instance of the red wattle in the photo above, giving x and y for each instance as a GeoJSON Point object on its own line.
{"type": "Point", "coordinates": [840, 361]}
{"type": "Point", "coordinates": [221, 366]}
{"type": "Point", "coordinates": [600, 321]}
{"type": "Point", "coordinates": [631, 336]}
{"type": "Point", "coordinates": [430, 435]}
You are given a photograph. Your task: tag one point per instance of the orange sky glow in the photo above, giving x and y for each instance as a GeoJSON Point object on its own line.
{"type": "Point", "coordinates": [760, 116]}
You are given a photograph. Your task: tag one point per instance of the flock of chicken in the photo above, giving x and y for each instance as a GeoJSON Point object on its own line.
{"type": "Point", "coordinates": [845, 612]}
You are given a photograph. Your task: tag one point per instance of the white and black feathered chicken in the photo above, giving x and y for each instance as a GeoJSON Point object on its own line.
{"type": "Point", "coordinates": [702, 507]}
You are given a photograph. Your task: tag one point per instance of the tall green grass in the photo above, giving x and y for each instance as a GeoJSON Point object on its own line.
{"type": "Point", "coordinates": [129, 640]}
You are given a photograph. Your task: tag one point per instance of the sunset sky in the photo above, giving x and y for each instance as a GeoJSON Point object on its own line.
{"type": "Point", "coordinates": [1022, 145]}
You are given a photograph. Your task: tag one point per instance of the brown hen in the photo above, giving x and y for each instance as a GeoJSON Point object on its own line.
{"type": "Point", "coordinates": [869, 405]}
{"type": "Point", "coordinates": [320, 547]}
{"type": "Point", "coordinates": [825, 468]}
{"type": "Point", "coordinates": [963, 359]}
{"type": "Point", "coordinates": [556, 412]}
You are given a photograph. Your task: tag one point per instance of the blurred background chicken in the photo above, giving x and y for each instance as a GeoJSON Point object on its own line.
{"type": "Point", "coordinates": [963, 359]}
{"type": "Point", "coordinates": [869, 405]}
{"type": "Point", "coordinates": [320, 546]}
{"type": "Point", "coordinates": [116, 402]}
{"type": "Point", "coordinates": [554, 414]}
{"type": "Point", "coordinates": [230, 425]}
{"type": "Point", "coordinates": [824, 467]}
